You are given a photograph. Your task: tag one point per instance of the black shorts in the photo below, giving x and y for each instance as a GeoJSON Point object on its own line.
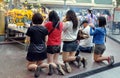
{"type": "Point", "coordinates": [33, 57]}
{"type": "Point", "coordinates": [99, 48]}
{"type": "Point", "coordinates": [53, 49]}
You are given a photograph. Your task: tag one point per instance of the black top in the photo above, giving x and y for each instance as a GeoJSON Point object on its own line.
{"type": "Point", "coordinates": [37, 38]}
{"type": "Point", "coordinates": [37, 34]}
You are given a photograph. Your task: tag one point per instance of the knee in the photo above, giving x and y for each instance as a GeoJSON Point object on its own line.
{"type": "Point", "coordinates": [96, 59]}
{"type": "Point", "coordinates": [31, 67]}
{"type": "Point", "coordinates": [65, 58]}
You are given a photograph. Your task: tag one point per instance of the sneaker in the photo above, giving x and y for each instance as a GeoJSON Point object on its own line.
{"type": "Point", "coordinates": [84, 62]}
{"type": "Point", "coordinates": [72, 63]}
{"type": "Point", "coordinates": [60, 70]}
{"type": "Point", "coordinates": [78, 61]}
{"type": "Point", "coordinates": [67, 67]}
{"type": "Point", "coordinates": [111, 60]}
{"type": "Point", "coordinates": [51, 70]}
{"type": "Point", "coordinates": [37, 72]}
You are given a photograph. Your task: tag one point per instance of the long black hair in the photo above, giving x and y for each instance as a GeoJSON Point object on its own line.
{"type": "Point", "coordinates": [54, 18]}
{"type": "Point", "coordinates": [90, 11]}
{"type": "Point", "coordinates": [71, 16]}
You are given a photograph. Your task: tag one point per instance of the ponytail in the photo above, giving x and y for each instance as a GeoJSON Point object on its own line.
{"type": "Point", "coordinates": [90, 11]}
{"type": "Point", "coordinates": [91, 15]}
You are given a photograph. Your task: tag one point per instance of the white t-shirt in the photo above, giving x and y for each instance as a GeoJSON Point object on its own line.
{"type": "Point", "coordinates": [86, 42]}
{"type": "Point", "coordinates": [68, 33]}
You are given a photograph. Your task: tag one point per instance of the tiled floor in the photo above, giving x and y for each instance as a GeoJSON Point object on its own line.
{"type": "Point", "coordinates": [13, 63]}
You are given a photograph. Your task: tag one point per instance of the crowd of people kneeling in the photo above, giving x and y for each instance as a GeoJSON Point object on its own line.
{"type": "Point", "coordinates": [45, 42]}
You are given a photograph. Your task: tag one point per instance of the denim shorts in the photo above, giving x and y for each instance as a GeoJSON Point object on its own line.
{"type": "Point", "coordinates": [70, 46]}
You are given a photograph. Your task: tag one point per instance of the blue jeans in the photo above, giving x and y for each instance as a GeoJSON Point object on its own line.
{"type": "Point", "coordinates": [84, 49]}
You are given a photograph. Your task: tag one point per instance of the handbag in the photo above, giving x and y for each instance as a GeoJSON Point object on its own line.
{"type": "Point", "coordinates": [81, 35]}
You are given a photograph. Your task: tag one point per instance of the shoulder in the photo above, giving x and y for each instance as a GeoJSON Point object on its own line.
{"type": "Point", "coordinates": [30, 28]}
{"type": "Point", "coordinates": [29, 31]}
{"type": "Point", "coordinates": [88, 28]}
{"type": "Point", "coordinates": [68, 22]}
{"type": "Point", "coordinates": [61, 23]}
{"type": "Point", "coordinates": [88, 15]}
{"type": "Point", "coordinates": [48, 23]}
{"type": "Point", "coordinates": [44, 29]}
{"type": "Point", "coordinates": [99, 29]}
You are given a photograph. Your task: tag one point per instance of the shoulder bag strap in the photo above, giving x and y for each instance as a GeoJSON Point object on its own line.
{"type": "Point", "coordinates": [53, 28]}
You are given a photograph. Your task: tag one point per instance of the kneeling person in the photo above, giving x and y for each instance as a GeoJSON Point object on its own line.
{"type": "Point", "coordinates": [36, 34]}
{"type": "Point", "coordinates": [85, 45]}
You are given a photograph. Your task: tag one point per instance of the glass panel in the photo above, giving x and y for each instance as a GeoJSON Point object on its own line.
{"type": "Point", "coordinates": [84, 1]}
{"type": "Point", "coordinates": [109, 2]}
